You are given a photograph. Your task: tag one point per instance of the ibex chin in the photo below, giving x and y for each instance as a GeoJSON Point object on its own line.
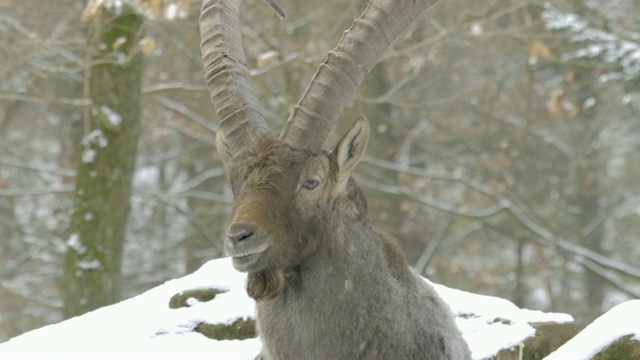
{"type": "Point", "coordinates": [326, 284]}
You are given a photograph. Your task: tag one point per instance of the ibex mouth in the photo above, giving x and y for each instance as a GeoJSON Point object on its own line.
{"type": "Point", "coordinates": [248, 259]}
{"type": "Point", "coordinates": [247, 262]}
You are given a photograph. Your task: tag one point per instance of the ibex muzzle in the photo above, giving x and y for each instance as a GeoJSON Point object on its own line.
{"type": "Point", "coordinates": [244, 246]}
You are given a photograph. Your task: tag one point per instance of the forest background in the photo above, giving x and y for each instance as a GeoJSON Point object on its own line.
{"type": "Point", "coordinates": [505, 151]}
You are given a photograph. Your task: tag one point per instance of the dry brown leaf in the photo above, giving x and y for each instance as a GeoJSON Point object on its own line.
{"type": "Point", "coordinates": [147, 45]}
{"type": "Point", "coordinates": [539, 50]}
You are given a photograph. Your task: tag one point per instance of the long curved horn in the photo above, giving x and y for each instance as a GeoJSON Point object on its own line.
{"type": "Point", "coordinates": [345, 67]}
{"type": "Point", "coordinates": [228, 78]}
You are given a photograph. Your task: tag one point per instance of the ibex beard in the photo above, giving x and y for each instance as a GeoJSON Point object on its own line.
{"type": "Point", "coordinates": [327, 285]}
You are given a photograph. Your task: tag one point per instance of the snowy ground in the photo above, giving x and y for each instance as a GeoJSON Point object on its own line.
{"type": "Point", "coordinates": [145, 326]}
{"type": "Point", "coordinates": [620, 321]}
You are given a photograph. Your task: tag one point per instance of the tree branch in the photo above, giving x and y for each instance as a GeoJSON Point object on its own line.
{"type": "Point", "coordinates": [502, 203]}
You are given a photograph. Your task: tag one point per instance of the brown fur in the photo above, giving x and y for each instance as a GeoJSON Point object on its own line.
{"type": "Point", "coordinates": [395, 258]}
{"type": "Point", "coordinates": [326, 284]}
{"type": "Point", "coordinates": [265, 284]}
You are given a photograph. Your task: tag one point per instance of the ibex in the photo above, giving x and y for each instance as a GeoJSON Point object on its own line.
{"type": "Point", "coordinates": [326, 284]}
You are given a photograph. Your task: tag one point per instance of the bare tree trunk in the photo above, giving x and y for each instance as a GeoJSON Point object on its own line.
{"type": "Point", "coordinates": [105, 168]}
{"type": "Point", "coordinates": [588, 199]}
{"type": "Point", "coordinates": [588, 173]}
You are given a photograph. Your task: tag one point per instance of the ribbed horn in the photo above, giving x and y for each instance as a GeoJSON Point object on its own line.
{"type": "Point", "coordinates": [228, 78]}
{"type": "Point", "coordinates": [345, 67]}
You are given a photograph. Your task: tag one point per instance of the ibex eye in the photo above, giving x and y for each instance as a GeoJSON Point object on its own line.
{"type": "Point", "coordinates": [311, 183]}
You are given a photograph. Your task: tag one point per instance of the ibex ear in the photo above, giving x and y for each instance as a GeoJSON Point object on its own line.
{"type": "Point", "coordinates": [223, 148]}
{"type": "Point", "coordinates": [351, 148]}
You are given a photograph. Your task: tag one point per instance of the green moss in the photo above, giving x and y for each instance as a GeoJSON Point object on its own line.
{"type": "Point", "coordinates": [237, 330]}
{"type": "Point", "coordinates": [549, 337]}
{"type": "Point", "coordinates": [179, 300]}
{"type": "Point", "coordinates": [508, 354]}
{"type": "Point", "coordinates": [624, 348]}
{"type": "Point", "coordinates": [503, 321]}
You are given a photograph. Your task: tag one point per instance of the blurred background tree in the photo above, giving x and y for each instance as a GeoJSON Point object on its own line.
{"type": "Point", "coordinates": [505, 151]}
{"type": "Point", "coordinates": [105, 165]}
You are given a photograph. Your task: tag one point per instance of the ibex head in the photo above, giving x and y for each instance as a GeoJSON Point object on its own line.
{"type": "Point", "coordinates": [284, 199]}
{"type": "Point", "coordinates": [286, 187]}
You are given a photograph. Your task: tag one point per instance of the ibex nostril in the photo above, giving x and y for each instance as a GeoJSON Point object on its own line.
{"type": "Point", "coordinates": [239, 232]}
{"type": "Point", "coordinates": [236, 238]}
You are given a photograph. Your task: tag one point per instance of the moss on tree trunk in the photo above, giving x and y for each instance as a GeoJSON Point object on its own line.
{"type": "Point", "coordinates": [105, 164]}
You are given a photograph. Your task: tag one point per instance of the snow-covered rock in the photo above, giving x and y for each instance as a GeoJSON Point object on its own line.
{"type": "Point", "coordinates": [614, 335]}
{"type": "Point", "coordinates": [169, 322]}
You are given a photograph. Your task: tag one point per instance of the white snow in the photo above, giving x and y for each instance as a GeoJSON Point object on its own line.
{"type": "Point", "coordinates": [171, 11]}
{"type": "Point", "coordinates": [621, 320]}
{"type": "Point", "coordinates": [75, 243]}
{"type": "Point", "coordinates": [88, 155]}
{"type": "Point", "coordinates": [89, 264]}
{"type": "Point", "coordinates": [555, 20]}
{"type": "Point", "coordinates": [490, 324]}
{"type": "Point", "coordinates": [121, 40]}
{"type": "Point", "coordinates": [97, 137]}
{"type": "Point", "coordinates": [145, 326]}
{"type": "Point", "coordinates": [112, 117]}
{"type": "Point", "coordinates": [616, 46]}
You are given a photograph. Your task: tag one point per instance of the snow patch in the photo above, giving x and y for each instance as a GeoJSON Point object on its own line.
{"type": "Point", "coordinates": [555, 20]}
{"type": "Point", "coordinates": [145, 326]}
{"type": "Point", "coordinates": [88, 155]}
{"type": "Point", "coordinates": [96, 137]}
{"type": "Point", "coordinates": [171, 11]}
{"type": "Point", "coordinates": [112, 117]}
{"type": "Point", "coordinates": [615, 46]}
{"type": "Point", "coordinates": [192, 301]}
{"type": "Point", "coordinates": [621, 320]}
{"type": "Point", "coordinates": [484, 319]}
{"type": "Point", "coordinates": [174, 11]}
{"type": "Point", "coordinates": [89, 264]}
{"type": "Point", "coordinates": [74, 243]}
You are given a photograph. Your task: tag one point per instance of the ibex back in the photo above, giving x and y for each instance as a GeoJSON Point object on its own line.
{"type": "Point", "coordinates": [327, 285]}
